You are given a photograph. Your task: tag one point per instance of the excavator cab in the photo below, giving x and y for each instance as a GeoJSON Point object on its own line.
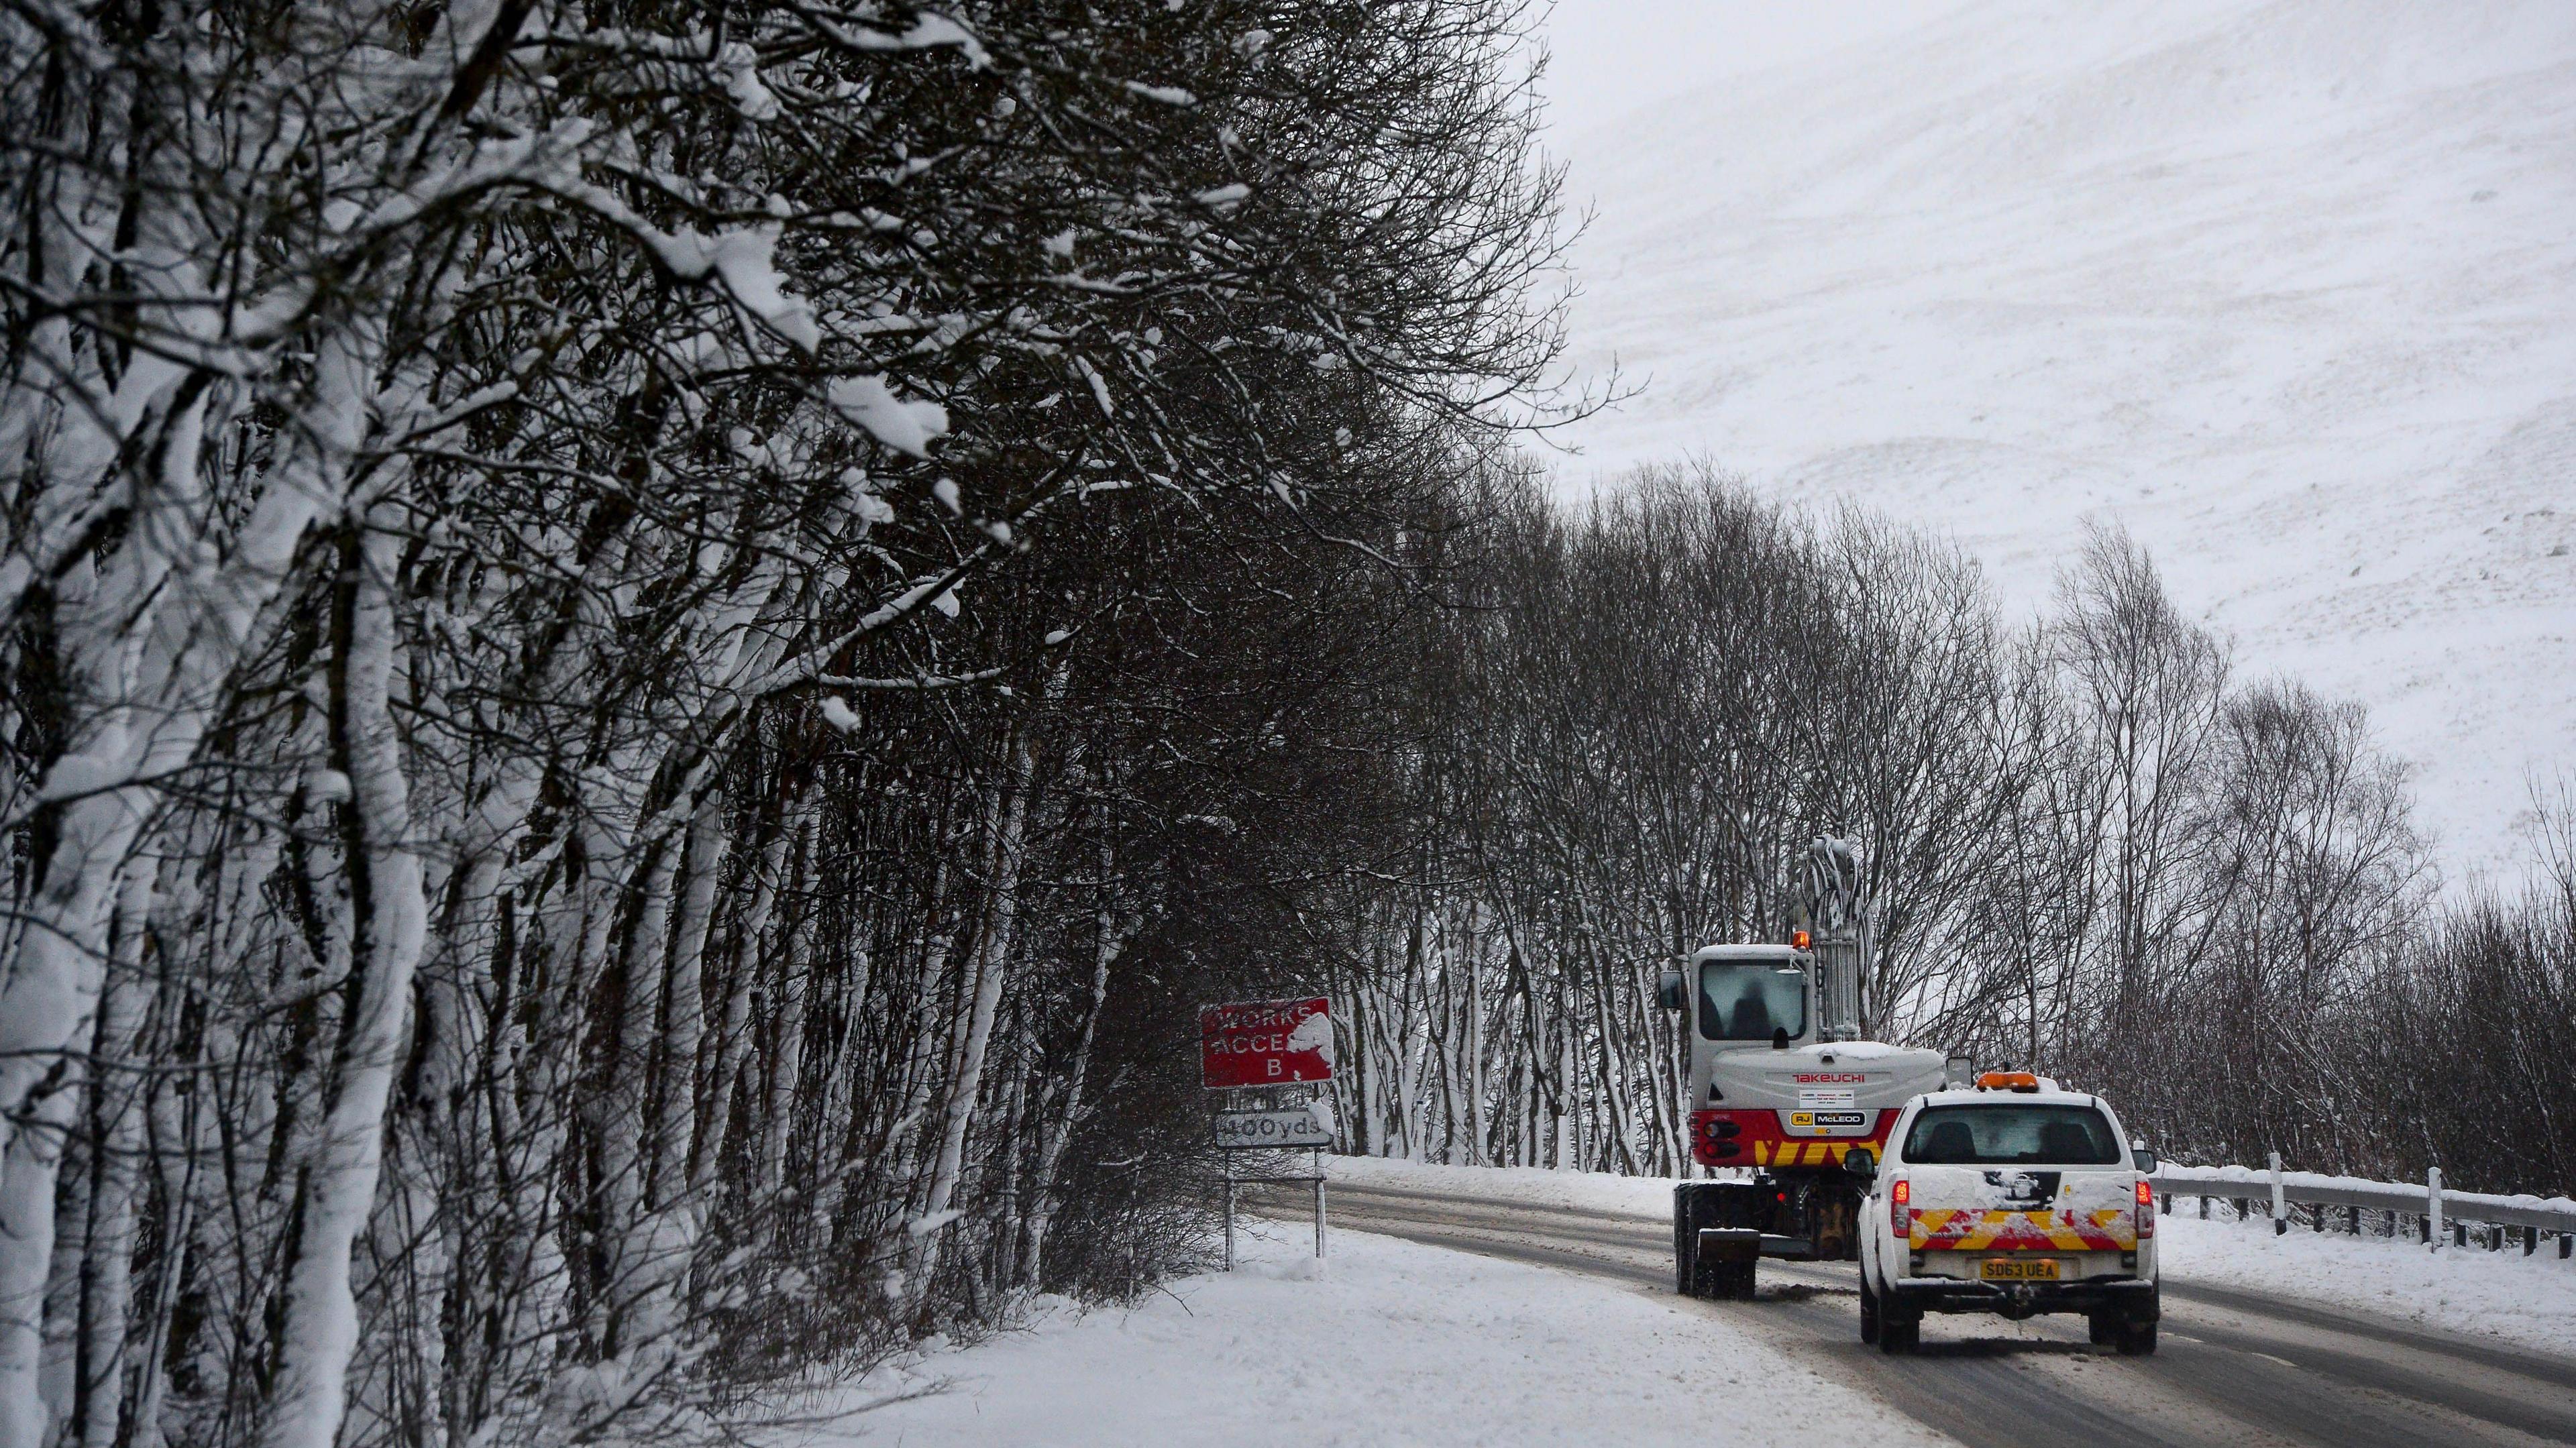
{"type": "Point", "coordinates": [1762, 998]}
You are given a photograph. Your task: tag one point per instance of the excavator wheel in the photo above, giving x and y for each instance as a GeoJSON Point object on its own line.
{"type": "Point", "coordinates": [1899, 1334]}
{"type": "Point", "coordinates": [1693, 1208]}
{"type": "Point", "coordinates": [1713, 1204]}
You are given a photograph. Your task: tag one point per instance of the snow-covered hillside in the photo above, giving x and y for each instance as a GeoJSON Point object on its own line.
{"type": "Point", "coordinates": [2287, 289]}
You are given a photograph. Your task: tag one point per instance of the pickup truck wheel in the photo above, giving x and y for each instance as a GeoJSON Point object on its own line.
{"type": "Point", "coordinates": [1868, 1311]}
{"type": "Point", "coordinates": [2138, 1339]}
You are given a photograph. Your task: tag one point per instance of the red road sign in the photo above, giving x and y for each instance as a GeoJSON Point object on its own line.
{"type": "Point", "coordinates": [1265, 1043]}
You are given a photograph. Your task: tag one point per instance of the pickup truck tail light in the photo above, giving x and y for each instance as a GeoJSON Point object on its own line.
{"type": "Point", "coordinates": [1900, 1209]}
{"type": "Point", "coordinates": [2146, 1208]}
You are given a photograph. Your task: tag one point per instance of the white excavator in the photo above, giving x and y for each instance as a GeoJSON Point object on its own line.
{"type": "Point", "coordinates": [1782, 1087]}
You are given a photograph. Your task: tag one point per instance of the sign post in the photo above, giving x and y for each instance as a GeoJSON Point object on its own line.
{"type": "Point", "coordinates": [1270, 1064]}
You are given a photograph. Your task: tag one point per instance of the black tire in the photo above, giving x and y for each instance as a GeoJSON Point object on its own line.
{"type": "Point", "coordinates": [1868, 1309]}
{"type": "Point", "coordinates": [1898, 1335]}
{"type": "Point", "coordinates": [2138, 1339]}
{"type": "Point", "coordinates": [1685, 1240]}
{"type": "Point", "coordinates": [1714, 1204]}
{"type": "Point", "coordinates": [2103, 1328]}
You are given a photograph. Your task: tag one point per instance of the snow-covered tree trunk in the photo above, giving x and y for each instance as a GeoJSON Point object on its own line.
{"type": "Point", "coordinates": [1113, 933]}
{"type": "Point", "coordinates": [387, 914]}
{"type": "Point", "coordinates": [673, 1111]}
{"type": "Point", "coordinates": [993, 962]}
{"type": "Point", "coordinates": [788, 998]}
{"type": "Point", "coordinates": [98, 1399]}
{"type": "Point", "coordinates": [152, 650]}
{"type": "Point", "coordinates": [733, 1033]}
{"type": "Point", "coordinates": [88, 1298]}
{"type": "Point", "coordinates": [638, 1262]}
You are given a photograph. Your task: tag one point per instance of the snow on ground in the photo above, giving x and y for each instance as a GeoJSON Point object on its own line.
{"type": "Point", "coordinates": [1530, 1186]}
{"type": "Point", "coordinates": [2504, 1295]}
{"type": "Point", "coordinates": [2285, 287]}
{"type": "Point", "coordinates": [1392, 1343]}
{"type": "Point", "coordinates": [1389, 1345]}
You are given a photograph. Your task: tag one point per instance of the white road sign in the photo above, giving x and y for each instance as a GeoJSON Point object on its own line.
{"type": "Point", "coordinates": [1298, 1126]}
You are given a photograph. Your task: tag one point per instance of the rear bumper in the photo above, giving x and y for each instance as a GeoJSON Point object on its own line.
{"type": "Point", "coordinates": [1743, 1244]}
{"type": "Point", "coordinates": [1761, 1138]}
{"type": "Point", "coordinates": [2134, 1297]}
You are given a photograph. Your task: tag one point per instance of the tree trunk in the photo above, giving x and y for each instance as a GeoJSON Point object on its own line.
{"type": "Point", "coordinates": [386, 914]}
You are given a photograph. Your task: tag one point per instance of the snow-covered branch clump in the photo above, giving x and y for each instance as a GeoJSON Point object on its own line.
{"type": "Point", "coordinates": [582, 738]}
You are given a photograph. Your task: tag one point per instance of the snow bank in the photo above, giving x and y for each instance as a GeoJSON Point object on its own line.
{"type": "Point", "coordinates": [1388, 1343]}
{"type": "Point", "coordinates": [1529, 1186]}
{"type": "Point", "coordinates": [2502, 1295]}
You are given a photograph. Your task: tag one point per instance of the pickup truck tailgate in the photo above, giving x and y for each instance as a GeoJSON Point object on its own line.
{"type": "Point", "coordinates": [2009, 1209]}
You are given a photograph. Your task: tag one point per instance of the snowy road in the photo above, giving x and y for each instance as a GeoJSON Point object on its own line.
{"type": "Point", "coordinates": [2234, 1367]}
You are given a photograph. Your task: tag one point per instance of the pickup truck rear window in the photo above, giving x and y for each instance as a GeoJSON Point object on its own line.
{"type": "Point", "coordinates": [2012, 1135]}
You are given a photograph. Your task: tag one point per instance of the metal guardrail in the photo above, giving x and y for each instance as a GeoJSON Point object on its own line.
{"type": "Point", "coordinates": [2426, 1212]}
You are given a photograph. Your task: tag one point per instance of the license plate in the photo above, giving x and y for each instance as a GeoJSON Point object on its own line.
{"type": "Point", "coordinates": [2005, 1269]}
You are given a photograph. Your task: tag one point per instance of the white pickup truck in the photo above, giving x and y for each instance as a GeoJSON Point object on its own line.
{"type": "Point", "coordinates": [2011, 1197]}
